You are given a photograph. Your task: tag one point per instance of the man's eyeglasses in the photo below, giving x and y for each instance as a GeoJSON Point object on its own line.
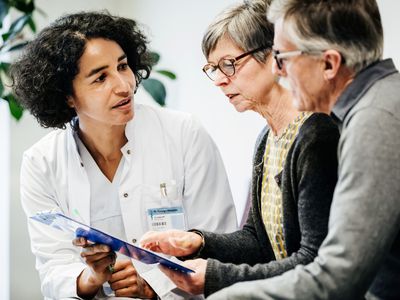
{"type": "Point", "coordinates": [227, 65]}
{"type": "Point", "coordinates": [280, 57]}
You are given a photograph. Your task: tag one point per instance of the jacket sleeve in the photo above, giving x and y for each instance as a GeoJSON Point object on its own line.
{"type": "Point", "coordinates": [364, 220]}
{"type": "Point", "coordinates": [241, 246]}
{"type": "Point", "coordinates": [57, 261]}
{"type": "Point", "coordinates": [231, 256]}
{"type": "Point", "coordinates": [315, 160]}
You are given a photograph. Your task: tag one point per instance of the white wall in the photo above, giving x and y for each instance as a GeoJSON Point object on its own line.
{"type": "Point", "coordinates": [4, 202]}
{"type": "Point", "coordinates": [175, 28]}
{"type": "Point", "coordinates": [391, 24]}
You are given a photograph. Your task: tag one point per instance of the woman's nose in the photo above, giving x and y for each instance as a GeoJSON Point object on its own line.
{"type": "Point", "coordinates": [220, 78]}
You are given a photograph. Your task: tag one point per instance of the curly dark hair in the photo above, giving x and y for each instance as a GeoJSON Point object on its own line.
{"type": "Point", "coordinates": [42, 77]}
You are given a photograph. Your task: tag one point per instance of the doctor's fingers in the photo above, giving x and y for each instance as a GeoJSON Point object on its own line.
{"type": "Point", "coordinates": [80, 242]}
{"type": "Point", "coordinates": [96, 261]}
{"type": "Point", "coordinates": [124, 282]}
{"type": "Point", "coordinates": [95, 249]}
{"type": "Point", "coordinates": [122, 269]}
{"type": "Point", "coordinates": [133, 286]}
{"type": "Point", "coordinates": [100, 264]}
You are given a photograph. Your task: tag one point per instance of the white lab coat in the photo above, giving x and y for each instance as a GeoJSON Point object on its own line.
{"type": "Point", "coordinates": [165, 146]}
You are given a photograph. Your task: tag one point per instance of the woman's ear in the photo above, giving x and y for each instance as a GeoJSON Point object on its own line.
{"type": "Point", "coordinates": [70, 101]}
{"type": "Point", "coordinates": [333, 61]}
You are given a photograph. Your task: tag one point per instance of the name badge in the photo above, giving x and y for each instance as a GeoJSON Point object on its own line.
{"type": "Point", "coordinates": [166, 218]}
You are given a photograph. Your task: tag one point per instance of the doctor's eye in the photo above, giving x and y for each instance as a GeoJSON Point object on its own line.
{"type": "Point", "coordinates": [123, 66]}
{"type": "Point", "coordinates": [101, 78]}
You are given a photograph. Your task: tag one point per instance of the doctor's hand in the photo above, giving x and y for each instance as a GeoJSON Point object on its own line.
{"type": "Point", "coordinates": [172, 242]}
{"type": "Point", "coordinates": [100, 261]}
{"type": "Point", "coordinates": [192, 283]}
{"type": "Point", "coordinates": [126, 282]}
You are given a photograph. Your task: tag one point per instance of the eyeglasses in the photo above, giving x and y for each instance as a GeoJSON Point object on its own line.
{"type": "Point", "coordinates": [280, 57]}
{"type": "Point", "coordinates": [227, 65]}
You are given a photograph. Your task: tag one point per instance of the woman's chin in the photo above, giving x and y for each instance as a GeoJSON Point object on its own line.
{"type": "Point", "coordinates": [240, 108]}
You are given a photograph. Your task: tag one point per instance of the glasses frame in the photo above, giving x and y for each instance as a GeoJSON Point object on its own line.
{"type": "Point", "coordinates": [233, 61]}
{"type": "Point", "coordinates": [279, 56]}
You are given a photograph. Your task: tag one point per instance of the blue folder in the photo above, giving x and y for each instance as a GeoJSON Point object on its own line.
{"type": "Point", "coordinates": [67, 224]}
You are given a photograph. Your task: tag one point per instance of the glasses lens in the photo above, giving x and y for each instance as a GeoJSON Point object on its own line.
{"type": "Point", "coordinates": [227, 67]}
{"type": "Point", "coordinates": [210, 71]}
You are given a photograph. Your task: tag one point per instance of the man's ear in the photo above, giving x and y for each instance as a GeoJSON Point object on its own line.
{"type": "Point", "coordinates": [70, 101]}
{"type": "Point", "coordinates": [333, 61]}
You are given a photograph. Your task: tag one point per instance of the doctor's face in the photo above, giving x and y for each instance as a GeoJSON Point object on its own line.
{"type": "Point", "coordinates": [103, 88]}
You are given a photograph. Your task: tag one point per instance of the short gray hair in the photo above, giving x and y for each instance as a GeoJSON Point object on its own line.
{"type": "Point", "coordinates": [245, 24]}
{"type": "Point", "coordinates": [352, 27]}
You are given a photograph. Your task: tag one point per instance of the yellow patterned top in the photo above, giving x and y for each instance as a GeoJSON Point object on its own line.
{"type": "Point", "coordinates": [276, 150]}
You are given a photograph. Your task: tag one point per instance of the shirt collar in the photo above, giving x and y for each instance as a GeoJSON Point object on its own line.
{"type": "Point", "coordinates": [360, 85]}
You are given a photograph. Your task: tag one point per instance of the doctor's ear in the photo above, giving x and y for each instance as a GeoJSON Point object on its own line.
{"type": "Point", "coordinates": [333, 60]}
{"type": "Point", "coordinates": [70, 101]}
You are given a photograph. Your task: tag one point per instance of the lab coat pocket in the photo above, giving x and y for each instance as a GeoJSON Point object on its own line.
{"type": "Point", "coordinates": [164, 207]}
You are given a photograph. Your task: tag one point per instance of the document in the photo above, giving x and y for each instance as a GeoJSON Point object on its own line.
{"type": "Point", "coordinates": [78, 229]}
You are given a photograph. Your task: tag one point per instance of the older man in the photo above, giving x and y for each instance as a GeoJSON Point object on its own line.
{"type": "Point", "coordinates": [330, 53]}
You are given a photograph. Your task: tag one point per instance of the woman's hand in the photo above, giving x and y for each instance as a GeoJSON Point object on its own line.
{"type": "Point", "coordinates": [126, 282]}
{"type": "Point", "coordinates": [192, 283]}
{"type": "Point", "coordinates": [100, 261]}
{"type": "Point", "coordinates": [172, 242]}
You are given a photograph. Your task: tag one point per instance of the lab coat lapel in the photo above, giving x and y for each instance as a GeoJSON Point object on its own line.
{"type": "Point", "coordinates": [78, 183]}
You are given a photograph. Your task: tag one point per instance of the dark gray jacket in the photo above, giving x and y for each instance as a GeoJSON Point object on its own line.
{"type": "Point", "coordinates": [307, 183]}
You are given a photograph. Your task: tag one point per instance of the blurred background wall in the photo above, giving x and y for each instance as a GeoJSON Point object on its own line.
{"type": "Point", "coordinates": [175, 29]}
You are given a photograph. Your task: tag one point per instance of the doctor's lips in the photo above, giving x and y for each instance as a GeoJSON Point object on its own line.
{"type": "Point", "coordinates": [123, 102]}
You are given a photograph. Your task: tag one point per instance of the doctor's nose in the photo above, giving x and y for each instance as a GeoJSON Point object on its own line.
{"type": "Point", "coordinates": [123, 86]}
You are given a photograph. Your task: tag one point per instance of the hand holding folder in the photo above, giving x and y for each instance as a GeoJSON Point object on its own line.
{"type": "Point", "coordinates": [78, 229]}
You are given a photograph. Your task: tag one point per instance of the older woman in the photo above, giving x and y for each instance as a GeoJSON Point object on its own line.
{"type": "Point", "coordinates": [294, 169]}
{"type": "Point", "coordinates": [110, 162]}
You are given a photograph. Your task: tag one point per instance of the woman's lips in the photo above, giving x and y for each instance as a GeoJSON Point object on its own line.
{"type": "Point", "coordinates": [122, 103]}
{"type": "Point", "coordinates": [230, 96]}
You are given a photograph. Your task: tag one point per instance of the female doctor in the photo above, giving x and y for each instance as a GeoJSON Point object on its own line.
{"type": "Point", "coordinates": [108, 158]}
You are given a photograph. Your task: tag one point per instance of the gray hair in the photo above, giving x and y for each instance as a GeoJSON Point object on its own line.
{"type": "Point", "coordinates": [245, 24]}
{"type": "Point", "coordinates": [352, 27]}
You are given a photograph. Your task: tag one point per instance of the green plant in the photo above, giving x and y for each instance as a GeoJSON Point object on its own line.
{"type": "Point", "coordinates": [13, 39]}
{"type": "Point", "coordinates": [155, 87]}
